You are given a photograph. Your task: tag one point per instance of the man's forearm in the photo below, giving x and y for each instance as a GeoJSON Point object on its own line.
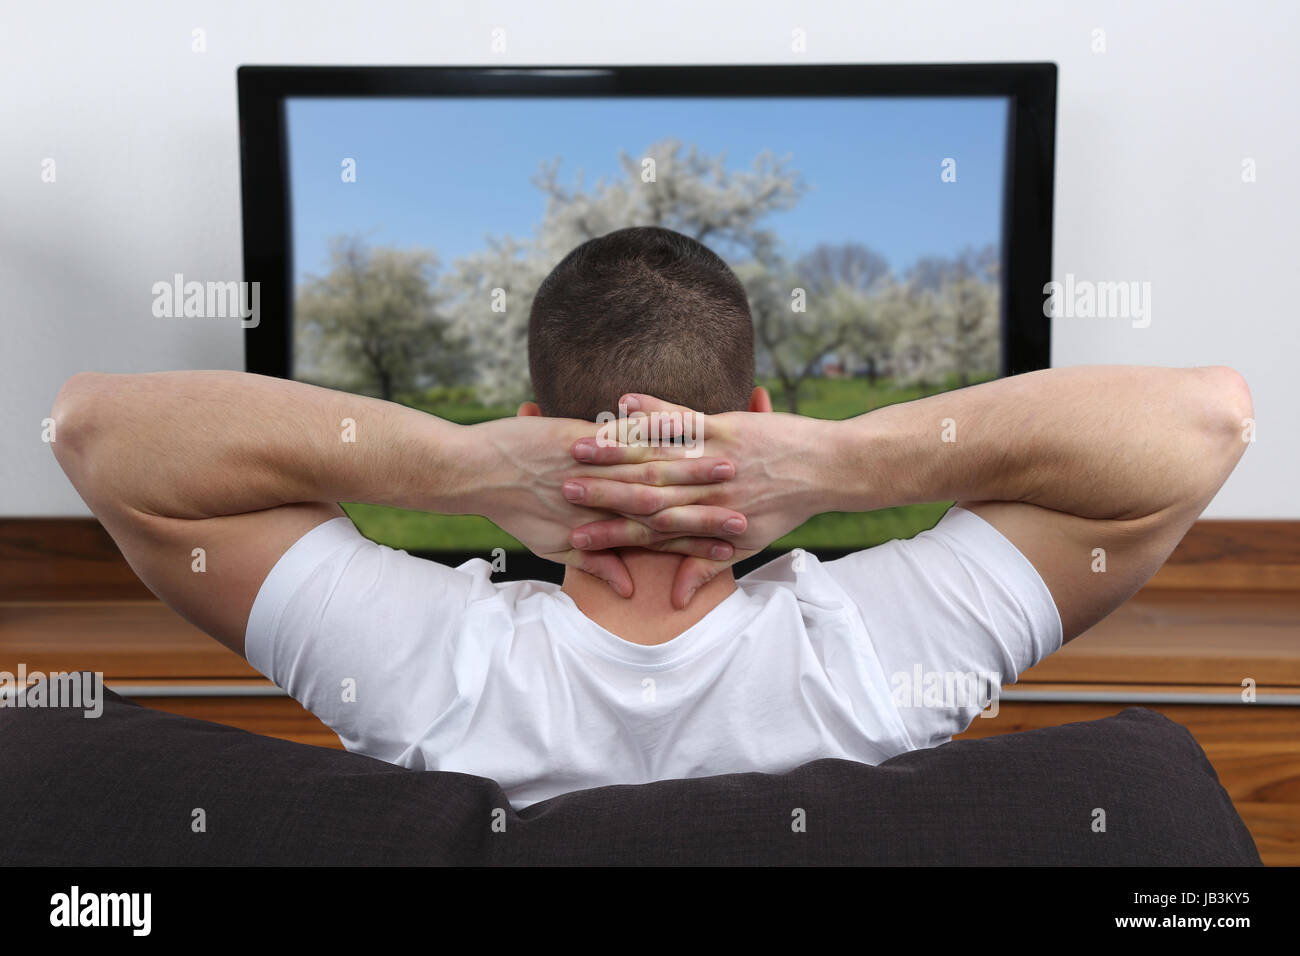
{"type": "Point", "coordinates": [1105, 442]}
{"type": "Point", "coordinates": [210, 443]}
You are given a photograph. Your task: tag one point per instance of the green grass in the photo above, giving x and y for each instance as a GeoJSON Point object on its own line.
{"type": "Point", "coordinates": [418, 531]}
{"type": "Point", "coordinates": [839, 398]}
{"type": "Point", "coordinates": [820, 398]}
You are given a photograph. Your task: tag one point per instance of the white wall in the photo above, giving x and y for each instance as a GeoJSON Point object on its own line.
{"type": "Point", "coordinates": [1151, 137]}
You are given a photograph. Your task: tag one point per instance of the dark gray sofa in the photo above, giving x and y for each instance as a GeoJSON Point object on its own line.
{"type": "Point", "coordinates": [123, 789]}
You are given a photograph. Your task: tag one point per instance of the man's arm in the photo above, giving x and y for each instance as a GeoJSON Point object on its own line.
{"type": "Point", "coordinates": [1080, 468]}
{"type": "Point", "coordinates": [243, 465]}
{"type": "Point", "coordinates": [1063, 462]}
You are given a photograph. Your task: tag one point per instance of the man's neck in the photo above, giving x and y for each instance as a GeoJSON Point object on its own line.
{"type": "Point", "coordinates": [648, 616]}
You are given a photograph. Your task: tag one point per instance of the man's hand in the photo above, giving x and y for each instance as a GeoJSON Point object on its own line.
{"type": "Point", "coordinates": [526, 471]}
{"type": "Point", "coordinates": [777, 482]}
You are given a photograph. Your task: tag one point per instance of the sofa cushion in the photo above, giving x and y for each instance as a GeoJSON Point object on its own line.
{"type": "Point", "coordinates": [132, 786]}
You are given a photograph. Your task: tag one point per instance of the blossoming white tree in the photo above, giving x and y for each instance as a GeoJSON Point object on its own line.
{"type": "Point", "coordinates": [950, 326]}
{"type": "Point", "coordinates": [372, 323]}
{"type": "Point", "coordinates": [382, 321]}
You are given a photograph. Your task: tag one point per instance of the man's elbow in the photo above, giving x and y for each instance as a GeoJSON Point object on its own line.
{"type": "Point", "coordinates": [1231, 404]}
{"type": "Point", "coordinates": [1227, 427]}
{"type": "Point", "coordinates": [74, 414]}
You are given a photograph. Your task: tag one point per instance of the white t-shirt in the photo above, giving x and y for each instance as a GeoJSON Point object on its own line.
{"type": "Point", "coordinates": [438, 668]}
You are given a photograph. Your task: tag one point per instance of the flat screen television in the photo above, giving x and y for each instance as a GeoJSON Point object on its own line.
{"type": "Point", "coordinates": [892, 225]}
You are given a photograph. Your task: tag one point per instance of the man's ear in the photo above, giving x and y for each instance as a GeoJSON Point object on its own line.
{"type": "Point", "coordinates": [760, 400]}
{"type": "Point", "coordinates": [530, 410]}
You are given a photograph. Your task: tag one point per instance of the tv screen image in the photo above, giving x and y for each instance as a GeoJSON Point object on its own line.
{"type": "Point", "coordinates": [871, 233]}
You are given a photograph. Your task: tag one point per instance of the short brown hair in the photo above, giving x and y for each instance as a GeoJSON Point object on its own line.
{"type": "Point", "coordinates": [644, 310]}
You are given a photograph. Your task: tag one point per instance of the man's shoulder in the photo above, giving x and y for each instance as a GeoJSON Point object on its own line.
{"type": "Point", "coordinates": [800, 572]}
{"type": "Point", "coordinates": [483, 570]}
{"type": "Point", "coordinates": [477, 575]}
{"type": "Point", "coordinates": [369, 564]}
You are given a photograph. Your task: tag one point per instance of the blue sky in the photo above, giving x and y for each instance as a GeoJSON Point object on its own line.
{"type": "Point", "coordinates": [445, 173]}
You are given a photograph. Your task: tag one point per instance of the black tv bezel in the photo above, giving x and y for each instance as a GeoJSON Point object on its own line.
{"type": "Point", "coordinates": [1028, 191]}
